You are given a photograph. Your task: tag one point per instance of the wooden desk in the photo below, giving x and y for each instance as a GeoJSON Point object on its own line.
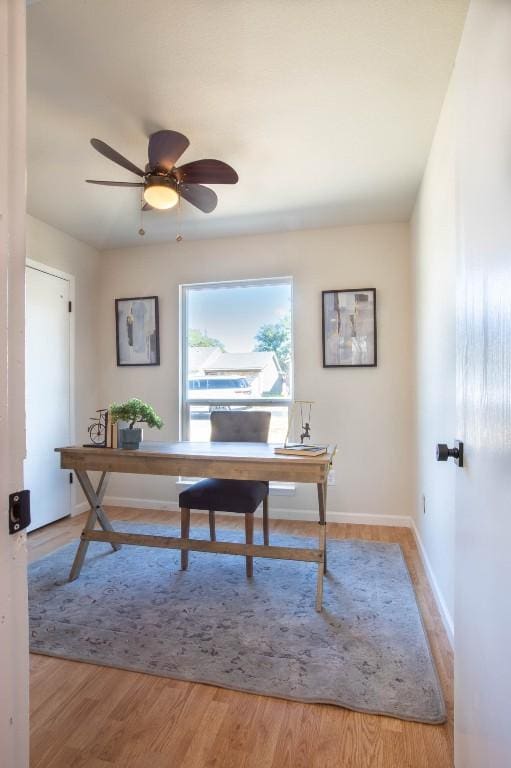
{"type": "Point", "coordinates": [235, 461]}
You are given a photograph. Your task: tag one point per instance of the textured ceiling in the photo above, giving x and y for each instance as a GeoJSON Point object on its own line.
{"type": "Point", "coordinates": [326, 108]}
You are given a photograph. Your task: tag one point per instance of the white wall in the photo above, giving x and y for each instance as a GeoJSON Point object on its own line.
{"type": "Point", "coordinates": [367, 412]}
{"type": "Point", "coordinates": [54, 248]}
{"type": "Point", "coordinates": [433, 235]}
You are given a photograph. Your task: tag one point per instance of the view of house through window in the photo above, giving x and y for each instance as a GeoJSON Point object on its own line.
{"type": "Point", "coordinates": [237, 352]}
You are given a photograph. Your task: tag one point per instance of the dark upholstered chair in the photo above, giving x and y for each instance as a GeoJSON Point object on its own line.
{"type": "Point", "coordinates": [242, 496]}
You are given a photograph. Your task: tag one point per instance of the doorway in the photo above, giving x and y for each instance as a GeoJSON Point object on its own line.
{"type": "Point", "coordinates": [48, 392]}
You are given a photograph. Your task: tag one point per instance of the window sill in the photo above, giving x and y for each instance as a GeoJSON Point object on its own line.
{"type": "Point", "coordinates": [276, 489]}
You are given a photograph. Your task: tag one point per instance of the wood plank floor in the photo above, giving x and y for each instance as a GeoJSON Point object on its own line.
{"type": "Point", "coordinates": [85, 716]}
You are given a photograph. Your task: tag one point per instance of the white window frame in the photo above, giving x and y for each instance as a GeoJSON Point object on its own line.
{"type": "Point", "coordinates": [184, 422]}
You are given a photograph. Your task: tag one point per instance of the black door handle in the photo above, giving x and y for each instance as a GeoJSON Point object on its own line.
{"type": "Point", "coordinates": [443, 452]}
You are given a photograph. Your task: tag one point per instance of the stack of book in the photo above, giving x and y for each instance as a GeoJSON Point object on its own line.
{"type": "Point", "coordinates": [111, 433]}
{"type": "Point", "coordinates": [299, 449]}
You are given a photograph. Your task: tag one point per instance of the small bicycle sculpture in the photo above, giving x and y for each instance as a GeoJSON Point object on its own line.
{"type": "Point", "coordinates": [97, 430]}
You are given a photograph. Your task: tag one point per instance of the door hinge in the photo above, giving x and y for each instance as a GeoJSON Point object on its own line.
{"type": "Point", "coordinates": [71, 478]}
{"type": "Point", "coordinates": [70, 306]}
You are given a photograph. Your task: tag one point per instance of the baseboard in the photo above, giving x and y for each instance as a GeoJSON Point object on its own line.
{"type": "Point", "coordinates": [400, 521]}
{"type": "Point", "coordinates": [445, 615]}
{"type": "Point", "coordinates": [83, 506]}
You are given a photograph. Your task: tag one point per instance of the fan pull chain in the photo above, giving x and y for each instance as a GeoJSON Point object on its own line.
{"type": "Point", "coordinates": [179, 236]}
{"type": "Point", "coordinates": [141, 231]}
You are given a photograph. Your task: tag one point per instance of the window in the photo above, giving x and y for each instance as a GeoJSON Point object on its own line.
{"type": "Point", "coordinates": [236, 352]}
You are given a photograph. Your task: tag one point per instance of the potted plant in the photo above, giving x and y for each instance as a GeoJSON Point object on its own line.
{"type": "Point", "coordinates": [133, 411]}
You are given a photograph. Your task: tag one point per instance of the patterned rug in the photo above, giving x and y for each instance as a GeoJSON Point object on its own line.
{"type": "Point", "coordinates": [134, 609]}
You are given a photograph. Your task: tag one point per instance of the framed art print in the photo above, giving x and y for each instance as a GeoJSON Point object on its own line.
{"type": "Point", "coordinates": [349, 328]}
{"type": "Point", "coordinates": [137, 331]}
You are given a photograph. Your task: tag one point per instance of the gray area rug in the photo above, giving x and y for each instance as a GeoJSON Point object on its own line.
{"type": "Point", "coordinates": [136, 610]}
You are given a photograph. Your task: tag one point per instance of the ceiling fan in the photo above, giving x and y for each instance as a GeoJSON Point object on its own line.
{"type": "Point", "coordinates": [163, 183]}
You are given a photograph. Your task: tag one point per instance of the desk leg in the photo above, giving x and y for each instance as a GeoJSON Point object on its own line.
{"type": "Point", "coordinates": [95, 498]}
{"type": "Point", "coordinates": [321, 568]}
{"type": "Point", "coordinates": [322, 492]}
{"type": "Point", "coordinates": [322, 544]}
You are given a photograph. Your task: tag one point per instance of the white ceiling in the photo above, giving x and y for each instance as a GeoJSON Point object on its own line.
{"type": "Point", "coordinates": [326, 108]}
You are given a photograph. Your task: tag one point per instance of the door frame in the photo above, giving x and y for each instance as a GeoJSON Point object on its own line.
{"type": "Point", "coordinates": [40, 267]}
{"type": "Point", "coordinates": [14, 659]}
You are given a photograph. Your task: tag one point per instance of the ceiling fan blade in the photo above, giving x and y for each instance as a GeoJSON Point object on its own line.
{"type": "Point", "coordinates": [165, 148]}
{"type": "Point", "coordinates": [201, 197]}
{"type": "Point", "coordinates": [116, 183]}
{"type": "Point", "coordinates": [206, 172]}
{"type": "Point", "coordinates": [111, 154]}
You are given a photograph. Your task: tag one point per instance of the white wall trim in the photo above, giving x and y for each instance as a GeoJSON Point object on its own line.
{"type": "Point", "coordinates": [445, 615]}
{"type": "Point", "coordinates": [401, 521]}
{"type": "Point", "coordinates": [78, 508]}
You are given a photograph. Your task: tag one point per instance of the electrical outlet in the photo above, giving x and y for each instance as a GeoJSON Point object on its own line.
{"type": "Point", "coordinates": [331, 477]}
{"type": "Point", "coordinates": [423, 504]}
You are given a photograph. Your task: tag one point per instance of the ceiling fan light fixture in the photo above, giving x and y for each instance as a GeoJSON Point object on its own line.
{"type": "Point", "coordinates": [164, 184]}
{"type": "Point", "coordinates": [160, 195]}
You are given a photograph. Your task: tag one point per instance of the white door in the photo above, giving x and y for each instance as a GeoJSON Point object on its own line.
{"type": "Point", "coordinates": [483, 486]}
{"type": "Point", "coordinates": [47, 394]}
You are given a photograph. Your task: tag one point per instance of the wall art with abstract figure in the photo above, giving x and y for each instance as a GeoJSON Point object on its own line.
{"type": "Point", "coordinates": [349, 328]}
{"type": "Point", "coordinates": [137, 332]}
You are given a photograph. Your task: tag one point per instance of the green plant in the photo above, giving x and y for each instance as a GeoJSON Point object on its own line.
{"type": "Point", "coordinates": [135, 411]}
{"type": "Point", "coordinates": [276, 338]}
{"type": "Point", "coordinates": [199, 339]}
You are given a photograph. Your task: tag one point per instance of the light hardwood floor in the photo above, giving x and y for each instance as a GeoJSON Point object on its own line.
{"type": "Point", "coordinates": [85, 716]}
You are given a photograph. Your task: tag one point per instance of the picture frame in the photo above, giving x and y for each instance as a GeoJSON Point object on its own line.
{"type": "Point", "coordinates": [137, 333]}
{"type": "Point", "coordinates": [349, 328]}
